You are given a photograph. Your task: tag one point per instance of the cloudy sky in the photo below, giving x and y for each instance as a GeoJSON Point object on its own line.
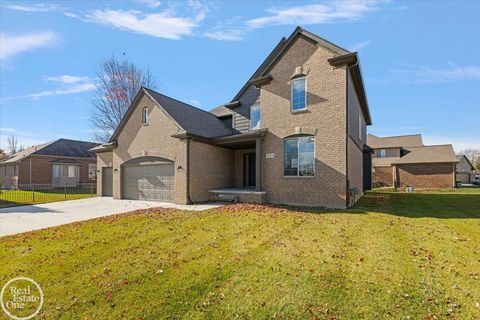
{"type": "Point", "coordinates": [419, 59]}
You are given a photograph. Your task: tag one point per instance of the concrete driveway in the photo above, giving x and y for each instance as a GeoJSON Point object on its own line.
{"type": "Point", "coordinates": [27, 218]}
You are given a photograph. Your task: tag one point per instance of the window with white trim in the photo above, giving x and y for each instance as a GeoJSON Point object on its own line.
{"type": "Point", "coordinates": [255, 117]}
{"type": "Point", "coordinates": [299, 157]}
{"type": "Point", "coordinates": [145, 115]}
{"type": "Point", "coordinates": [298, 94]}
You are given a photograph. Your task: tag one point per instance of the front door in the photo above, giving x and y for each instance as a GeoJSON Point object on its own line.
{"type": "Point", "coordinates": [249, 170]}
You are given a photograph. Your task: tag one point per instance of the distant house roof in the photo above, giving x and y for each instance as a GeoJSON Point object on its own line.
{"type": "Point", "coordinates": [460, 156]}
{"type": "Point", "coordinates": [58, 148]}
{"type": "Point", "coordinates": [407, 141]}
{"type": "Point", "coordinates": [429, 154]}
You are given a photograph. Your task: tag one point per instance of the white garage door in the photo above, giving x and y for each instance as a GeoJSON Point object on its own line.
{"type": "Point", "coordinates": [148, 179]}
{"type": "Point", "coordinates": [464, 177]}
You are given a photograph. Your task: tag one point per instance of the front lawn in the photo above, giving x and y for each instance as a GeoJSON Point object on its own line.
{"type": "Point", "coordinates": [395, 256]}
{"type": "Point", "coordinates": [10, 198]}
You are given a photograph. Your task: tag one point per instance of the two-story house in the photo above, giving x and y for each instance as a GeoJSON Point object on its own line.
{"type": "Point", "coordinates": [295, 133]}
{"type": "Point", "coordinates": [400, 161]}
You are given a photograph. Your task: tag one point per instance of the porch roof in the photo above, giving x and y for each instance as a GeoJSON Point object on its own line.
{"type": "Point", "coordinates": [237, 141]}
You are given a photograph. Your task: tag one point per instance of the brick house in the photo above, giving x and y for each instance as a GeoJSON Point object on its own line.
{"type": "Point", "coordinates": [58, 163]}
{"type": "Point", "coordinates": [295, 133]}
{"type": "Point", "coordinates": [401, 161]}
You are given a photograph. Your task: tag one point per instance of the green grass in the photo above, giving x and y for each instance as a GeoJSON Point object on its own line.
{"type": "Point", "coordinates": [394, 256]}
{"type": "Point", "coordinates": [10, 198]}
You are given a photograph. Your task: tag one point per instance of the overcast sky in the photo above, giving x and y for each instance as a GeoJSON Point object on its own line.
{"type": "Point", "coordinates": [419, 59]}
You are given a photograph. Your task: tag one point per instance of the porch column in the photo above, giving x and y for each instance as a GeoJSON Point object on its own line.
{"type": "Point", "coordinates": [258, 164]}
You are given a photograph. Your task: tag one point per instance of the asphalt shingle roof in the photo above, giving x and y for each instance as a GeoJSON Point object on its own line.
{"type": "Point", "coordinates": [191, 119]}
{"type": "Point", "coordinates": [59, 148]}
{"type": "Point", "coordinates": [408, 141]}
{"type": "Point", "coordinates": [429, 154]}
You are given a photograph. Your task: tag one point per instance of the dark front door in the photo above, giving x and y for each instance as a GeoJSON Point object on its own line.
{"type": "Point", "coordinates": [249, 170]}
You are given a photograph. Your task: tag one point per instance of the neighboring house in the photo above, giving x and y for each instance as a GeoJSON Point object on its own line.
{"type": "Point", "coordinates": [401, 161]}
{"type": "Point", "coordinates": [295, 133]}
{"type": "Point", "coordinates": [387, 150]}
{"type": "Point", "coordinates": [465, 170]}
{"type": "Point", "coordinates": [59, 163]}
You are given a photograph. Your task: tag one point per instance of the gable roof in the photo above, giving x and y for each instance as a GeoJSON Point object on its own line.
{"type": "Point", "coordinates": [280, 49]}
{"type": "Point", "coordinates": [188, 118]}
{"type": "Point", "coordinates": [429, 154]}
{"type": "Point", "coordinates": [407, 141]}
{"type": "Point", "coordinates": [59, 148]}
{"type": "Point", "coordinates": [192, 119]}
{"type": "Point", "coordinates": [460, 156]}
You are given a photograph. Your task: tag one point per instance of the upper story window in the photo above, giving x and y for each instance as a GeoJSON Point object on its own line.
{"type": "Point", "coordinates": [145, 115]}
{"type": "Point", "coordinates": [299, 157]}
{"type": "Point", "coordinates": [381, 153]}
{"type": "Point", "coordinates": [255, 117]}
{"type": "Point", "coordinates": [298, 95]}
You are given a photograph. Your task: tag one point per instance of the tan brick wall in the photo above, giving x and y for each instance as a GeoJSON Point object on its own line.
{"type": "Point", "coordinates": [137, 140]}
{"type": "Point", "coordinates": [325, 117]}
{"type": "Point", "coordinates": [7, 176]}
{"type": "Point", "coordinates": [382, 177]}
{"type": "Point", "coordinates": [392, 154]}
{"type": "Point", "coordinates": [355, 169]}
{"type": "Point", "coordinates": [104, 159]}
{"type": "Point", "coordinates": [211, 167]}
{"type": "Point", "coordinates": [439, 175]}
{"type": "Point", "coordinates": [42, 169]}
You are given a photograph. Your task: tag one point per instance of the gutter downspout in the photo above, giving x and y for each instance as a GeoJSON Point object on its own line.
{"type": "Point", "coordinates": [187, 170]}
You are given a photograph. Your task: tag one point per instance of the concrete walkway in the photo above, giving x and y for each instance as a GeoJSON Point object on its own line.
{"type": "Point", "coordinates": [27, 218]}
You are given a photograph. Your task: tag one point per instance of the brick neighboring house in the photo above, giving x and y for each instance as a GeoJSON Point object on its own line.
{"type": "Point", "coordinates": [401, 161]}
{"type": "Point", "coordinates": [295, 133]}
{"type": "Point", "coordinates": [58, 163]}
{"type": "Point", "coordinates": [465, 170]}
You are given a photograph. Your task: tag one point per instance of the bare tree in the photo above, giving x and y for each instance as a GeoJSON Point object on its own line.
{"type": "Point", "coordinates": [473, 155]}
{"type": "Point", "coordinates": [118, 83]}
{"type": "Point", "coordinates": [12, 145]}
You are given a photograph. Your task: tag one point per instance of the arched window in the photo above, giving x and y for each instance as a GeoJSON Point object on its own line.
{"type": "Point", "coordinates": [299, 156]}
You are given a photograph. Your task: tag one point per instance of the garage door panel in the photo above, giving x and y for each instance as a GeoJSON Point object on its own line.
{"type": "Point", "coordinates": [149, 182]}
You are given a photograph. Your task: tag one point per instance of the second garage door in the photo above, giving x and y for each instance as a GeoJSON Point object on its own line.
{"type": "Point", "coordinates": [148, 180]}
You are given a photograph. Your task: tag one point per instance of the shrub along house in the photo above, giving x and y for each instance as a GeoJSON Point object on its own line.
{"type": "Point", "coordinates": [59, 163]}
{"type": "Point", "coordinates": [295, 133]}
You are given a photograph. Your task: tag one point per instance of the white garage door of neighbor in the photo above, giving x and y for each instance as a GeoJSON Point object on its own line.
{"type": "Point", "coordinates": [151, 182]}
{"type": "Point", "coordinates": [464, 177]}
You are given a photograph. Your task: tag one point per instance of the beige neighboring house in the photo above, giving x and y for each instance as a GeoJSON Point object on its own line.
{"type": "Point", "coordinates": [401, 161]}
{"type": "Point", "coordinates": [465, 170]}
{"type": "Point", "coordinates": [295, 133]}
{"type": "Point", "coordinates": [59, 163]}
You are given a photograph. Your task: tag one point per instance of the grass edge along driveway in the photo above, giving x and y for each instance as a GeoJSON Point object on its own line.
{"type": "Point", "coordinates": [394, 256]}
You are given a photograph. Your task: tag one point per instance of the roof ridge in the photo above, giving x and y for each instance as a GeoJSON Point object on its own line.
{"type": "Point", "coordinates": [187, 104]}
{"type": "Point", "coordinates": [402, 135]}
{"type": "Point", "coordinates": [76, 140]}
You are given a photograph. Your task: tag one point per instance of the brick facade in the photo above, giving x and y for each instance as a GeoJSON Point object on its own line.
{"type": "Point", "coordinates": [213, 167]}
{"type": "Point", "coordinates": [382, 176]}
{"type": "Point", "coordinates": [428, 175]}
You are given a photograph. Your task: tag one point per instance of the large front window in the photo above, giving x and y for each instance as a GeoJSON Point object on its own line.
{"type": "Point", "coordinates": [299, 98]}
{"type": "Point", "coordinates": [299, 157]}
{"type": "Point", "coordinates": [65, 171]}
{"type": "Point", "coordinates": [255, 117]}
